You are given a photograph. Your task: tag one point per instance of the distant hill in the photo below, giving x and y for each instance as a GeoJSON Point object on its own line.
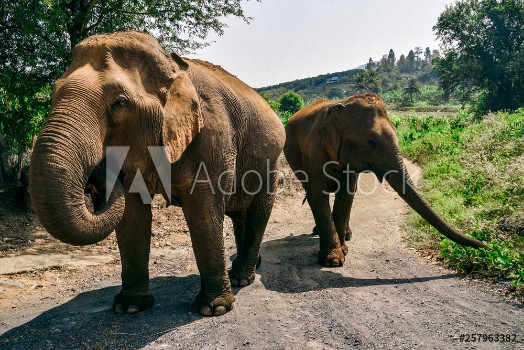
{"type": "Point", "coordinates": [389, 76]}
{"type": "Point", "coordinates": [312, 88]}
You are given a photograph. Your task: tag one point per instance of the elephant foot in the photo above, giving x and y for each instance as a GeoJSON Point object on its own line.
{"type": "Point", "coordinates": [127, 302]}
{"type": "Point", "coordinates": [344, 249]}
{"type": "Point", "coordinates": [241, 275]}
{"type": "Point", "coordinates": [331, 257]}
{"type": "Point", "coordinates": [208, 304]}
{"type": "Point", "coordinates": [237, 280]}
{"type": "Point", "coordinates": [349, 234]}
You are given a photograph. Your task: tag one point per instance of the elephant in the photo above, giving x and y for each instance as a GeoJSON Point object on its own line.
{"type": "Point", "coordinates": [122, 91]}
{"type": "Point", "coordinates": [328, 144]}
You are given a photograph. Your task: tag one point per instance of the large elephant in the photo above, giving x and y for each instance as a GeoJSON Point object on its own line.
{"type": "Point", "coordinates": [328, 144]}
{"type": "Point", "coordinates": [221, 143]}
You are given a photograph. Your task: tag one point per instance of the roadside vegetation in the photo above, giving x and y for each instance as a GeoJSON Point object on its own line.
{"type": "Point", "coordinates": [474, 177]}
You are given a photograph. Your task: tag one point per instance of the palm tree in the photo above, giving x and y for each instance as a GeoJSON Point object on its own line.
{"type": "Point", "coordinates": [374, 80]}
{"type": "Point", "coordinates": [360, 82]}
{"type": "Point", "coordinates": [412, 88]}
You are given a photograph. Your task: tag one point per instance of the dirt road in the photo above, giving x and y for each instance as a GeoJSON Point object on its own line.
{"type": "Point", "coordinates": [384, 297]}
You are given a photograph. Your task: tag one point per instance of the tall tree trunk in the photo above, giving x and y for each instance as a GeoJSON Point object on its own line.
{"type": "Point", "coordinates": [6, 174]}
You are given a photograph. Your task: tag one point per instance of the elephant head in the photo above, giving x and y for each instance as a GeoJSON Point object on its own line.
{"type": "Point", "coordinates": [120, 90]}
{"type": "Point", "coordinates": [358, 133]}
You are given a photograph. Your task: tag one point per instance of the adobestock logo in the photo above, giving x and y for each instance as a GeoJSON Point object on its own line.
{"type": "Point", "coordinates": [249, 182]}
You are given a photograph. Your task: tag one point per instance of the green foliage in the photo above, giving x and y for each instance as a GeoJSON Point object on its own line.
{"type": "Point", "coordinates": [290, 102]}
{"type": "Point", "coordinates": [368, 81]}
{"type": "Point", "coordinates": [411, 62]}
{"type": "Point", "coordinates": [483, 60]}
{"type": "Point", "coordinates": [21, 116]}
{"type": "Point", "coordinates": [284, 115]}
{"type": "Point", "coordinates": [429, 95]}
{"type": "Point", "coordinates": [412, 88]}
{"type": "Point", "coordinates": [473, 177]}
{"type": "Point", "coordinates": [36, 39]}
{"type": "Point", "coordinates": [395, 97]}
{"type": "Point", "coordinates": [335, 94]}
{"type": "Point", "coordinates": [503, 260]}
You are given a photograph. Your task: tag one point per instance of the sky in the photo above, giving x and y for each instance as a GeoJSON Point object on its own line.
{"type": "Point", "coordinates": [295, 39]}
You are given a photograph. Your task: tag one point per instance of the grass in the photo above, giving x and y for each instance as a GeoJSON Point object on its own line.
{"type": "Point", "coordinates": [474, 178]}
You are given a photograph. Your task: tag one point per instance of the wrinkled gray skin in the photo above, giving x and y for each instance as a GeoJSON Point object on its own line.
{"type": "Point", "coordinates": [122, 90]}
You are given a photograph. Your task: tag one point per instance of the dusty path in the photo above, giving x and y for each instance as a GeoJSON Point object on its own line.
{"type": "Point", "coordinates": [384, 297]}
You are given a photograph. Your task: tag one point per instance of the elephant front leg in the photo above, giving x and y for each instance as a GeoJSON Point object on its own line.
{"type": "Point", "coordinates": [342, 210]}
{"type": "Point", "coordinates": [330, 250]}
{"type": "Point", "coordinates": [134, 239]}
{"type": "Point", "coordinates": [204, 215]}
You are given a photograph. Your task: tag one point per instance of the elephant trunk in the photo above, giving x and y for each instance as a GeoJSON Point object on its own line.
{"type": "Point", "coordinates": [400, 181]}
{"type": "Point", "coordinates": [64, 155]}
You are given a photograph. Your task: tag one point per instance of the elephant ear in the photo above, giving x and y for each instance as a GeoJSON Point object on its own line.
{"type": "Point", "coordinates": [182, 114]}
{"type": "Point", "coordinates": [330, 131]}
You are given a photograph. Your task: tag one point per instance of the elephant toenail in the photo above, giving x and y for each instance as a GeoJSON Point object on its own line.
{"type": "Point", "coordinates": [133, 309]}
{"type": "Point", "coordinates": [243, 283]}
{"type": "Point", "coordinates": [118, 308]}
{"type": "Point", "coordinates": [335, 262]}
{"type": "Point", "coordinates": [206, 311]}
{"type": "Point", "coordinates": [220, 310]}
{"type": "Point", "coordinates": [233, 281]}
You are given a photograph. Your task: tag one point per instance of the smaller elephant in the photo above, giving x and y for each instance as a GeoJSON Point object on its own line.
{"type": "Point", "coordinates": [328, 144]}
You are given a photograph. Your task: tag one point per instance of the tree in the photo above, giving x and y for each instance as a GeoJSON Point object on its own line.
{"type": "Point", "coordinates": [368, 81]}
{"type": "Point", "coordinates": [412, 88]}
{"type": "Point", "coordinates": [383, 64]}
{"type": "Point", "coordinates": [483, 53]}
{"type": "Point", "coordinates": [427, 55]}
{"type": "Point", "coordinates": [371, 64]}
{"type": "Point", "coordinates": [335, 93]}
{"type": "Point", "coordinates": [37, 36]}
{"type": "Point", "coordinates": [402, 63]}
{"type": "Point", "coordinates": [291, 102]}
{"type": "Point", "coordinates": [391, 59]}
{"type": "Point", "coordinates": [411, 61]}
{"type": "Point", "coordinates": [418, 53]}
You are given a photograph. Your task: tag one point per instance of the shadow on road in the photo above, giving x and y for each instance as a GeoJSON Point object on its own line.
{"type": "Point", "coordinates": [289, 265]}
{"type": "Point", "coordinates": [87, 321]}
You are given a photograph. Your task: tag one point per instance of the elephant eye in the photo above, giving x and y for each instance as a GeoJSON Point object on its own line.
{"type": "Point", "coordinates": [120, 101]}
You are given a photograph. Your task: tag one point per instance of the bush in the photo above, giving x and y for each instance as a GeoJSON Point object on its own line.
{"type": "Point", "coordinates": [276, 107]}
{"type": "Point", "coordinates": [430, 95]}
{"type": "Point", "coordinates": [290, 102]}
{"type": "Point", "coordinates": [473, 176]}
